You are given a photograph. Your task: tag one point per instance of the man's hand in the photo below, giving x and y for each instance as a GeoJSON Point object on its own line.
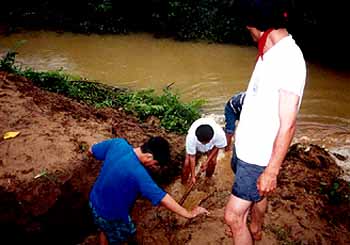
{"type": "Point", "coordinates": [193, 180]}
{"type": "Point", "coordinates": [89, 153]}
{"type": "Point", "coordinates": [228, 147]}
{"type": "Point", "coordinates": [204, 166]}
{"type": "Point", "coordinates": [267, 182]}
{"type": "Point", "coordinates": [198, 210]}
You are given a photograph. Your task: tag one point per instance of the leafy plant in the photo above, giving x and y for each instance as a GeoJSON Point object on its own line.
{"type": "Point", "coordinates": [337, 192]}
{"type": "Point", "coordinates": [282, 234]}
{"type": "Point", "coordinates": [104, 7]}
{"type": "Point", "coordinates": [7, 62]}
{"type": "Point", "coordinates": [173, 114]}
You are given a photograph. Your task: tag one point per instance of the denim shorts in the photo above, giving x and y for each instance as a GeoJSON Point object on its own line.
{"type": "Point", "coordinates": [117, 231]}
{"type": "Point", "coordinates": [246, 176]}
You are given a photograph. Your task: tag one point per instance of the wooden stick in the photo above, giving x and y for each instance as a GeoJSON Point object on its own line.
{"type": "Point", "coordinates": [189, 189]}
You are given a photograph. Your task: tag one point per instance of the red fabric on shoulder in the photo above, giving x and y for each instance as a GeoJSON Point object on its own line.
{"type": "Point", "coordinates": [262, 42]}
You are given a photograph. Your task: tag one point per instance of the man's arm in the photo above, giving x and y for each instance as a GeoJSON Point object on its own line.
{"type": "Point", "coordinates": [193, 168]}
{"type": "Point", "coordinates": [191, 153]}
{"type": "Point", "coordinates": [229, 141]}
{"type": "Point", "coordinates": [172, 205]}
{"type": "Point", "coordinates": [210, 157]}
{"type": "Point", "coordinates": [288, 109]}
{"type": "Point", "coordinates": [99, 150]}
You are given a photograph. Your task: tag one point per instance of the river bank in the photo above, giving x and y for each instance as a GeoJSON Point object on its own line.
{"type": "Point", "coordinates": [196, 70]}
{"type": "Point", "coordinates": [46, 176]}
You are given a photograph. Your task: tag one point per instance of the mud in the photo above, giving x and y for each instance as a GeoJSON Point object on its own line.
{"type": "Point", "coordinates": [45, 173]}
{"type": "Point", "coordinates": [46, 176]}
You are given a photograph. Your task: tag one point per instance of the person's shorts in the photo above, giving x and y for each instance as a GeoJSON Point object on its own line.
{"type": "Point", "coordinates": [117, 231]}
{"type": "Point", "coordinates": [246, 176]}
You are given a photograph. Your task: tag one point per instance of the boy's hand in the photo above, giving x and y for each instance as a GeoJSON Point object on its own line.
{"type": "Point", "coordinates": [198, 210]}
{"type": "Point", "coordinates": [90, 151]}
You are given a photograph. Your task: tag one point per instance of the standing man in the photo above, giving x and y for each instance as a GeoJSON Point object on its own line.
{"type": "Point", "coordinates": [268, 118]}
{"type": "Point", "coordinates": [205, 136]}
{"type": "Point", "coordinates": [123, 177]}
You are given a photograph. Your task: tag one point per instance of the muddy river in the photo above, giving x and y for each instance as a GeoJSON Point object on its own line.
{"type": "Point", "coordinates": [196, 70]}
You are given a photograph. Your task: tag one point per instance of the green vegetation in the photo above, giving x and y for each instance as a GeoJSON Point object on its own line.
{"type": "Point", "coordinates": [282, 234]}
{"type": "Point", "coordinates": [337, 192]}
{"type": "Point", "coordinates": [211, 20]}
{"type": "Point", "coordinates": [173, 114]}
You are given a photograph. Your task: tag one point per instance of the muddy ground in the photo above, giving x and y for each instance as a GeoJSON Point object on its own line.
{"type": "Point", "coordinates": [46, 176]}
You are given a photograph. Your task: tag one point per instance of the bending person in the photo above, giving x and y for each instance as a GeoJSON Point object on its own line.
{"type": "Point", "coordinates": [122, 178]}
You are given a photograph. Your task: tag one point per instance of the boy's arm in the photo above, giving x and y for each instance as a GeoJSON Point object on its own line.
{"type": "Point", "coordinates": [193, 168]}
{"type": "Point", "coordinates": [191, 151]}
{"type": "Point", "coordinates": [172, 205]}
{"type": "Point", "coordinates": [100, 149]}
{"type": "Point", "coordinates": [150, 190]}
{"type": "Point", "coordinates": [210, 157]}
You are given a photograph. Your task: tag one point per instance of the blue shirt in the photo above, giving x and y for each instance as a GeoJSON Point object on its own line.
{"type": "Point", "coordinates": [121, 180]}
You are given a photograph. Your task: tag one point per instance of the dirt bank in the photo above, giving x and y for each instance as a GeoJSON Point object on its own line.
{"type": "Point", "coordinates": [46, 176]}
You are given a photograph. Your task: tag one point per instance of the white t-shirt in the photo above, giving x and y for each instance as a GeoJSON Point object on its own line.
{"type": "Point", "coordinates": [192, 143]}
{"type": "Point", "coordinates": [283, 67]}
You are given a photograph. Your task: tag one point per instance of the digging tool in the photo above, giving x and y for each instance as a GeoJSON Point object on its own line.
{"type": "Point", "coordinates": [190, 188]}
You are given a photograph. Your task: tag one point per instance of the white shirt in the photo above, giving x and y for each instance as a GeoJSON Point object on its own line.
{"type": "Point", "coordinates": [283, 67]}
{"type": "Point", "coordinates": [192, 143]}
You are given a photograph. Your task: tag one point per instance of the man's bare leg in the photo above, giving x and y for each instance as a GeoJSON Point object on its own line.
{"type": "Point", "coordinates": [236, 213]}
{"type": "Point", "coordinates": [257, 215]}
{"type": "Point", "coordinates": [103, 239]}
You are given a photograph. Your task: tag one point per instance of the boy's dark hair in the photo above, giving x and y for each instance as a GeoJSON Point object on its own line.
{"type": "Point", "coordinates": [204, 133]}
{"type": "Point", "coordinates": [159, 148]}
{"type": "Point", "coordinates": [264, 14]}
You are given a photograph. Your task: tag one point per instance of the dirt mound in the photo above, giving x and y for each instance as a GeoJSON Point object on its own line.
{"type": "Point", "coordinates": [310, 202]}
{"type": "Point", "coordinates": [46, 176]}
{"type": "Point", "coordinates": [310, 206]}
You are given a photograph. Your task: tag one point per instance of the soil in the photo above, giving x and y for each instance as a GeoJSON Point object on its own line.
{"type": "Point", "coordinates": [46, 176]}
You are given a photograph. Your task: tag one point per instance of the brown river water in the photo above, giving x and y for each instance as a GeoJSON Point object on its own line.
{"type": "Point", "coordinates": [196, 70]}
